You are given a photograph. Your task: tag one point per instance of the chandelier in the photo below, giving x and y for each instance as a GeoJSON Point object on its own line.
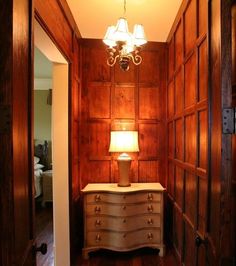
{"type": "Point", "coordinates": [124, 46]}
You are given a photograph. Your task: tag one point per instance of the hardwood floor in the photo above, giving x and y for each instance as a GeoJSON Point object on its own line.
{"type": "Point", "coordinates": [44, 234]}
{"type": "Point", "coordinates": [141, 257]}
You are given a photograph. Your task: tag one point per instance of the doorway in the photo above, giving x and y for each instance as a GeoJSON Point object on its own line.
{"type": "Point", "coordinates": [53, 202]}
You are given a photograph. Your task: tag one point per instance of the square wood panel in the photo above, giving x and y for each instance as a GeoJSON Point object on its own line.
{"type": "Point", "coordinates": [148, 140]}
{"type": "Point", "coordinates": [171, 59]}
{"type": "Point", "coordinates": [203, 71]}
{"type": "Point", "coordinates": [97, 70]}
{"type": "Point", "coordinates": [149, 70]}
{"type": "Point", "coordinates": [171, 106]}
{"type": "Point", "coordinates": [171, 179]}
{"type": "Point", "coordinates": [171, 140]}
{"type": "Point", "coordinates": [190, 26]}
{"type": "Point", "coordinates": [148, 171]}
{"type": "Point", "coordinates": [179, 92]}
{"type": "Point", "coordinates": [190, 196]}
{"type": "Point", "coordinates": [179, 186]}
{"type": "Point", "coordinates": [124, 102]}
{"type": "Point", "coordinates": [99, 171]}
{"type": "Point", "coordinates": [190, 81]}
{"type": "Point", "coordinates": [149, 103]}
{"type": "Point", "coordinates": [99, 138]}
{"type": "Point", "coordinates": [189, 249]}
{"type": "Point", "coordinates": [202, 204]}
{"type": "Point", "coordinates": [190, 139]}
{"type": "Point", "coordinates": [99, 100]}
{"type": "Point", "coordinates": [179, 133]}
{"type": "Point", "coordinates": [202, 17]}
{"type": "Point", "coordinates": [178, 230]}
{"type": "Point", "coordinates": [203, 131]}
{"type": "Point", "coordinates": [179, 45]}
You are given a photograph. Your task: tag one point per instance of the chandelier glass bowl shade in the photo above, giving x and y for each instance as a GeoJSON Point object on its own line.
{"type": "Point", "coordinates": [124, 46]}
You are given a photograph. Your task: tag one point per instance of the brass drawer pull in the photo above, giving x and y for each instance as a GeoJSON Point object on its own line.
{"type": "Point", "coordinates": [97, 198]}
{"type": "Point", "coordinates": [150, 196]}
{"type": "Point", "coordinates": [150, 236]}
{"type": "Point", "coordinates": [150, 208]}
{"type": "Point", "coordinates": [98, 238]}
{"type": "Point", "coordinates": [124, 221]}
{"type": "Point", "coordinates": [124, 207]}
{"type": "Point", "coordinates": [97, 222]}
{"type": "Point", "coordinates": [97, 209]}
{"type": "Point", "coordinates": [150, 221]}
{"type": "Point", "coordinates": [124, 235]}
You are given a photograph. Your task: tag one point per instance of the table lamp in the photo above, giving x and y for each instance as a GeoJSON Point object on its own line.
{"type": "Point", "coordinates": [124, 141]}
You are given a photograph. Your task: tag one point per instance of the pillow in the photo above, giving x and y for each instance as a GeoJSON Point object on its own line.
{"type": "Point", "coordinates": [36, 160]}
{"type": "Point", "coordinates": [38, 166]}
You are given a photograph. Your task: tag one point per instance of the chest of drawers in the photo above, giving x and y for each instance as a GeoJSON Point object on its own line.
{"type": "Point", "coordinates": [123, 218]}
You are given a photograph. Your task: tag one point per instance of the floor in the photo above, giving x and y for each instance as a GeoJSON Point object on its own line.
{"type": "Point", "coordinates": [141, 257]}
{"type": "Point", "coordinates": [44, 233]}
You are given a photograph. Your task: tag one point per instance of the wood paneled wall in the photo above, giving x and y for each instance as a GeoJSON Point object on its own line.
{"type": "Point", "coordinates": [113, 99]}
{"type": "Point", "coordinates": [187, 124]}
{"type": "Point", "coordinates": [56, 19]}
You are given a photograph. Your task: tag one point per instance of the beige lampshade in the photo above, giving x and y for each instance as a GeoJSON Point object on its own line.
{"type": "Point", "coordinates": [109, 37]}
{"type": "Point", "coordinates": [121, 32]}
{"type": "Point", "coordinates": [139, 35]}
{"type": "Point", "coordinates": [124, 141]}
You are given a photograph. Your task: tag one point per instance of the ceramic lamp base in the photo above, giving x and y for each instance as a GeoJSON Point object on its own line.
{"type": "Point", "coordinates": [124, 163]}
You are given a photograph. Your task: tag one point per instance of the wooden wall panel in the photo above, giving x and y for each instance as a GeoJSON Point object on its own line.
{"type": "Point", "coordinates": [171, 106]}
{"type": "Point", "coordinates": [179, 186]}
{"type": "Point", "coordinates": [179, 134]}
{"type": "Point", "coordinates": [148, 140]}
{"type": "Point", "coordinates": [113, 100]}
{"type": "Point", "coordinates": [179, 45]}
{"type": "Point", "coordinates": [190, 26]}
{"type": "Point", "coordinates": [190, 139]}
{"type": "Point", "coordinates": [149, 103]}
{"type": "Point", "coordinates": [124, 104]}
{"type": "Point", "coordinates": [99, 100]}
{"type": "Point", "coordinates": [190, 81]}
{"type": "Point", "coordinates": [203, 76]}
{"type": "Point", "coordinates": [188, 128]}
{"type": "Point", "coordinates": [179, 100]}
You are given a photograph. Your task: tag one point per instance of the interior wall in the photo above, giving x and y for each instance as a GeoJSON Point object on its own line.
{"type": "Point", "coordinates": [187, 118]}
{"type": "Point", "coordinates": [42, 115]}
{"type": "Point", "coordinates": [113, 99]}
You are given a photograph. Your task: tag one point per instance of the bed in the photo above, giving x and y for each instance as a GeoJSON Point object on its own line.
{"type": "Point", "coordinates": [43, 170]}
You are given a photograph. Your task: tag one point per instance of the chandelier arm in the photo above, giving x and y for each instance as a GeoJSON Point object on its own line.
{"type": "Point", "coordinates": [136, 59]}
{"type": "Point", "coordinates": [112, 60]}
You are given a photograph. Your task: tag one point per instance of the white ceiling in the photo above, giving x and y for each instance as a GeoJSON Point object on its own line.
{"type": "Point", "coordinates": [93, 16]}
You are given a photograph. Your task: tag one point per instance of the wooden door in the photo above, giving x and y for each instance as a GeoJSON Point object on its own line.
{"type": "Point", "coordinates": [16, 183]}
{"type": "Point", "coordinates": [233, 182]}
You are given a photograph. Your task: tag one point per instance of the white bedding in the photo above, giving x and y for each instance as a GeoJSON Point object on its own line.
{"type": "Point", "coordinates": [37, 182]}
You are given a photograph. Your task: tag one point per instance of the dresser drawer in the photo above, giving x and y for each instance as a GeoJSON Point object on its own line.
{"type": "Point", "coordinates": [122, 209]}
{"type": "Point", "coordinates": [123, 197]}
{"type": "Point", "coordinates": [123, 224]}
{"type": "Point", "coordinates": [122, 240]}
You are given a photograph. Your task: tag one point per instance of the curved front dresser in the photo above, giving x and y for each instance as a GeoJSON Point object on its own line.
{"type": "Point", "coordinates": [123, 218]}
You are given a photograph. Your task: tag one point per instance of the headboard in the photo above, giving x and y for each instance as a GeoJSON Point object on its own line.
{"type": "Point", "coordinates": [42, 150]}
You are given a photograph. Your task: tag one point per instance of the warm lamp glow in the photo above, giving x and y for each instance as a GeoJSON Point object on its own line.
{"type": "Point", "coordinates": [124, 141]}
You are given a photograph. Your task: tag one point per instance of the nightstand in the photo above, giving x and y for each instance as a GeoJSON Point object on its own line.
{"type": "Point", "coordinates": [123, 218]}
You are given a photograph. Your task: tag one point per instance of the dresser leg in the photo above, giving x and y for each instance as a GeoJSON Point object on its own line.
{"type": "Point", "coordinates": [162, 252]}
{"type": "Point", "coordinates": [85, 254]}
